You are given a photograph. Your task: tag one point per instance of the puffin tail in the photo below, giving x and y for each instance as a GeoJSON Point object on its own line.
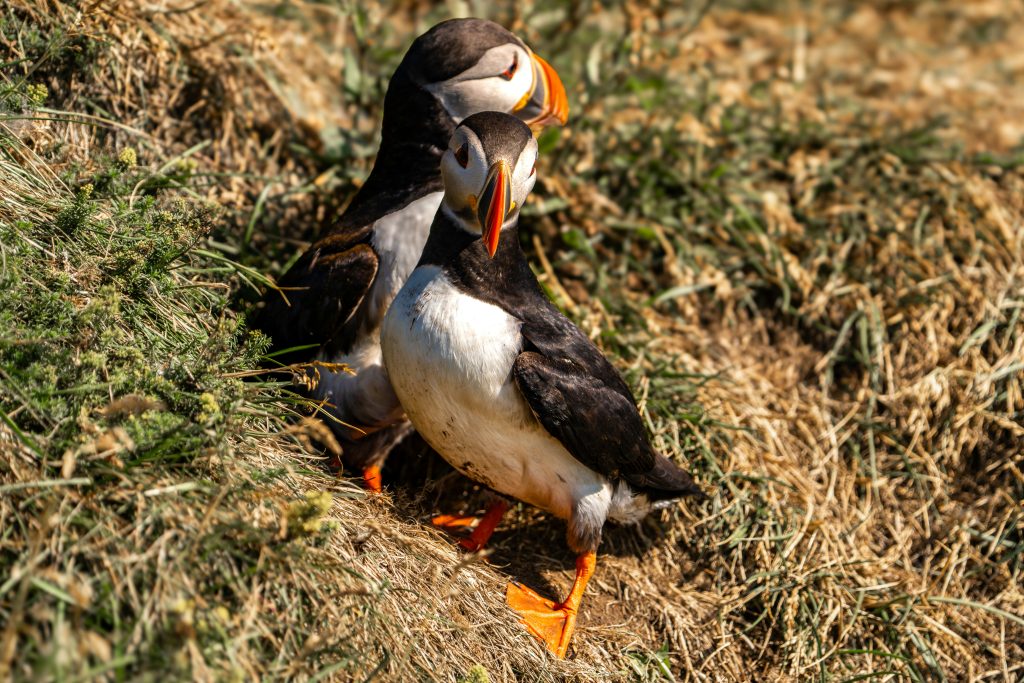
{"type": "Point", "coordinates": [665, 482]}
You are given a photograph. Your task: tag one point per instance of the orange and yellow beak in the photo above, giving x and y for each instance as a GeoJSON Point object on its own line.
{"type": "Point", "coordinates": [495, 204]}
{"type": "Point", "coordinates": [546, 103]}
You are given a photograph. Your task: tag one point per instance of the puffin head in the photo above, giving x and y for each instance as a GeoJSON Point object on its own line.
{"type": "Point", "coordinates": [488, 170]}
{"type": "Point", "coordinates": [473, 65]}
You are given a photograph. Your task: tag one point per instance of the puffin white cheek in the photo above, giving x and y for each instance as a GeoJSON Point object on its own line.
{"type": "Point", "coordinates": [455, 182]}
{"type": "Point", "coordinates": [521, 190]}
{"type": "Point", "coordinates": [449, 170]}
{"type": "Point", "coordinates": [521, 85]}
{"type": "Point", "coordinates": [525, 174]}
{"type": "Point", "coordinates": [489, 94]}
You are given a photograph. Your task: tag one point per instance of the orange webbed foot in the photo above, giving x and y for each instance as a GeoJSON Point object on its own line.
{"type": "Point", "coordinates": [547, 620]}
{"type": "Point", "coordinates": [458, 526]}
{"type": "Point", "coordinates": [454, 523]}
{"type": "Point", "coordinates": [553, 623]}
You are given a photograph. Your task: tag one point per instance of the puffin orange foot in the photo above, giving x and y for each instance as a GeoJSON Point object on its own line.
{"type": "Point", "coordinates": [458, 526]}
{"type": "Point", "coordinates": [453, 524]}
{"type": "Point", "coordinates": [549, 621]}
{"type": "Point", "coordinates": [371, 477]}
{"type": "Point", "coordinates": [553, 623]}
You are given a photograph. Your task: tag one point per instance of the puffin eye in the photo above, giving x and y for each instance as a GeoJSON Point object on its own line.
{"type": "Point", "coordinates": [508, 73]}
{"type": "Point", "coordinates": [462, 155]}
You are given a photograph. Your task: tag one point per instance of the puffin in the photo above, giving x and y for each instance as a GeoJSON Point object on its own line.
{"type": "Point", "coordinates": [505, 387]}
{"type": "Point", "coordinates": [328, 307]}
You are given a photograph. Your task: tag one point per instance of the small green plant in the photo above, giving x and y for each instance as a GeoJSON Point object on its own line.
{"type": "Point", "coordinates": [306, 517]}
{"type": "Point", "coordinates": [476, 674]}
{"type": "Point", "coordinates": [650, 667]}
{"type": "Point", "coordinates": [37, 93]}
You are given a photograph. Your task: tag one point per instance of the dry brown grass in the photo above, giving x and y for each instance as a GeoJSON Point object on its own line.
{"type": "Point", "coordinates": [799, 231]}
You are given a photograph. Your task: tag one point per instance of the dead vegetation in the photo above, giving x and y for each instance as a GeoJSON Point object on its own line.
{"type": "Point", "coordinates": [800, 231]}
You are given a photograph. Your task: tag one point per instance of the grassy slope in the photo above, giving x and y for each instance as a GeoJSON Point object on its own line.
{"type": "Point", "coordinates": [803, 248]}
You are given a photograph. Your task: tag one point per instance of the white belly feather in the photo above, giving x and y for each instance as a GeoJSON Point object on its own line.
{"type": "Point", "coordinates": [398, 239]}
{"type": "Point", "coordinates": [450, 358]}
{"type": "Point", "coordinates": [366, 398]}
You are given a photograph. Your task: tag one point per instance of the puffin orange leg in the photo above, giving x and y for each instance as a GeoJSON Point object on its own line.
{"type": "Point", "coordinates": [485, 525]}
{"type": "Point", "coordinates": [371, 477]}
{"type": "Point", "coordinates": [553, 623]}
{"type": "Point", "coordinates": [488, 523]}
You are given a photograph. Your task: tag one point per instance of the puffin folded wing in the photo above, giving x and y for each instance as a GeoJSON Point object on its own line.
{"type": "Point", "coordinates": [322, 293]}
{"type": "Point", "coordinates": [598, 424]}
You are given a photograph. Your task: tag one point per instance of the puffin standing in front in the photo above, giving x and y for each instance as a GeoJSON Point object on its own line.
{"type": "Point", "coordinates": [337, 292]}
{"type": "Point", "coordinates": [503, 385]}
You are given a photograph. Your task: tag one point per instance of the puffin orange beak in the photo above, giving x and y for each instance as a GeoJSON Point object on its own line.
{"type": "Point", "coordinates": [494, 205]}
{"type": "Point", "coordinates": [546, 103]}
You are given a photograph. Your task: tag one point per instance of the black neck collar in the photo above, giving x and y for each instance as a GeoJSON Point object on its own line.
{"type": "Point", "coordinates": [505, 280]}
{"type": "Point", "coordinates": [414, 135]}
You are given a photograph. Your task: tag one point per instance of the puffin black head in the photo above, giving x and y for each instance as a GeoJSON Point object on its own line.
{"type": "Point", "coordinates": [473, 65]}
{"type": "Point", "coordinates": [468, 66]}
{"type": "Point", "coordinates": [488, 170]}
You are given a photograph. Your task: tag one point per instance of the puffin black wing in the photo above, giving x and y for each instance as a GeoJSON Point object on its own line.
{"type": "Point", "coordinates": [598, 425]}
{"type": "Point", "coordinates": [583, 402]}
{"type": "Point", "coordinates": [324, 289]}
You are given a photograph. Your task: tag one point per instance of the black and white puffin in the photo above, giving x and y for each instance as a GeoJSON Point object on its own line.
{"type": "Point", "coordinates": [506, 388]}
{"type": "Point", "coordinates": [336, 294]}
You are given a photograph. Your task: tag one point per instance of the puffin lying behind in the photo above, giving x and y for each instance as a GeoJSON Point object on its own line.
{"type": "Point", "coordinates": [338, 291]}
{"type": "Point", "coordinates": [505, 387]}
